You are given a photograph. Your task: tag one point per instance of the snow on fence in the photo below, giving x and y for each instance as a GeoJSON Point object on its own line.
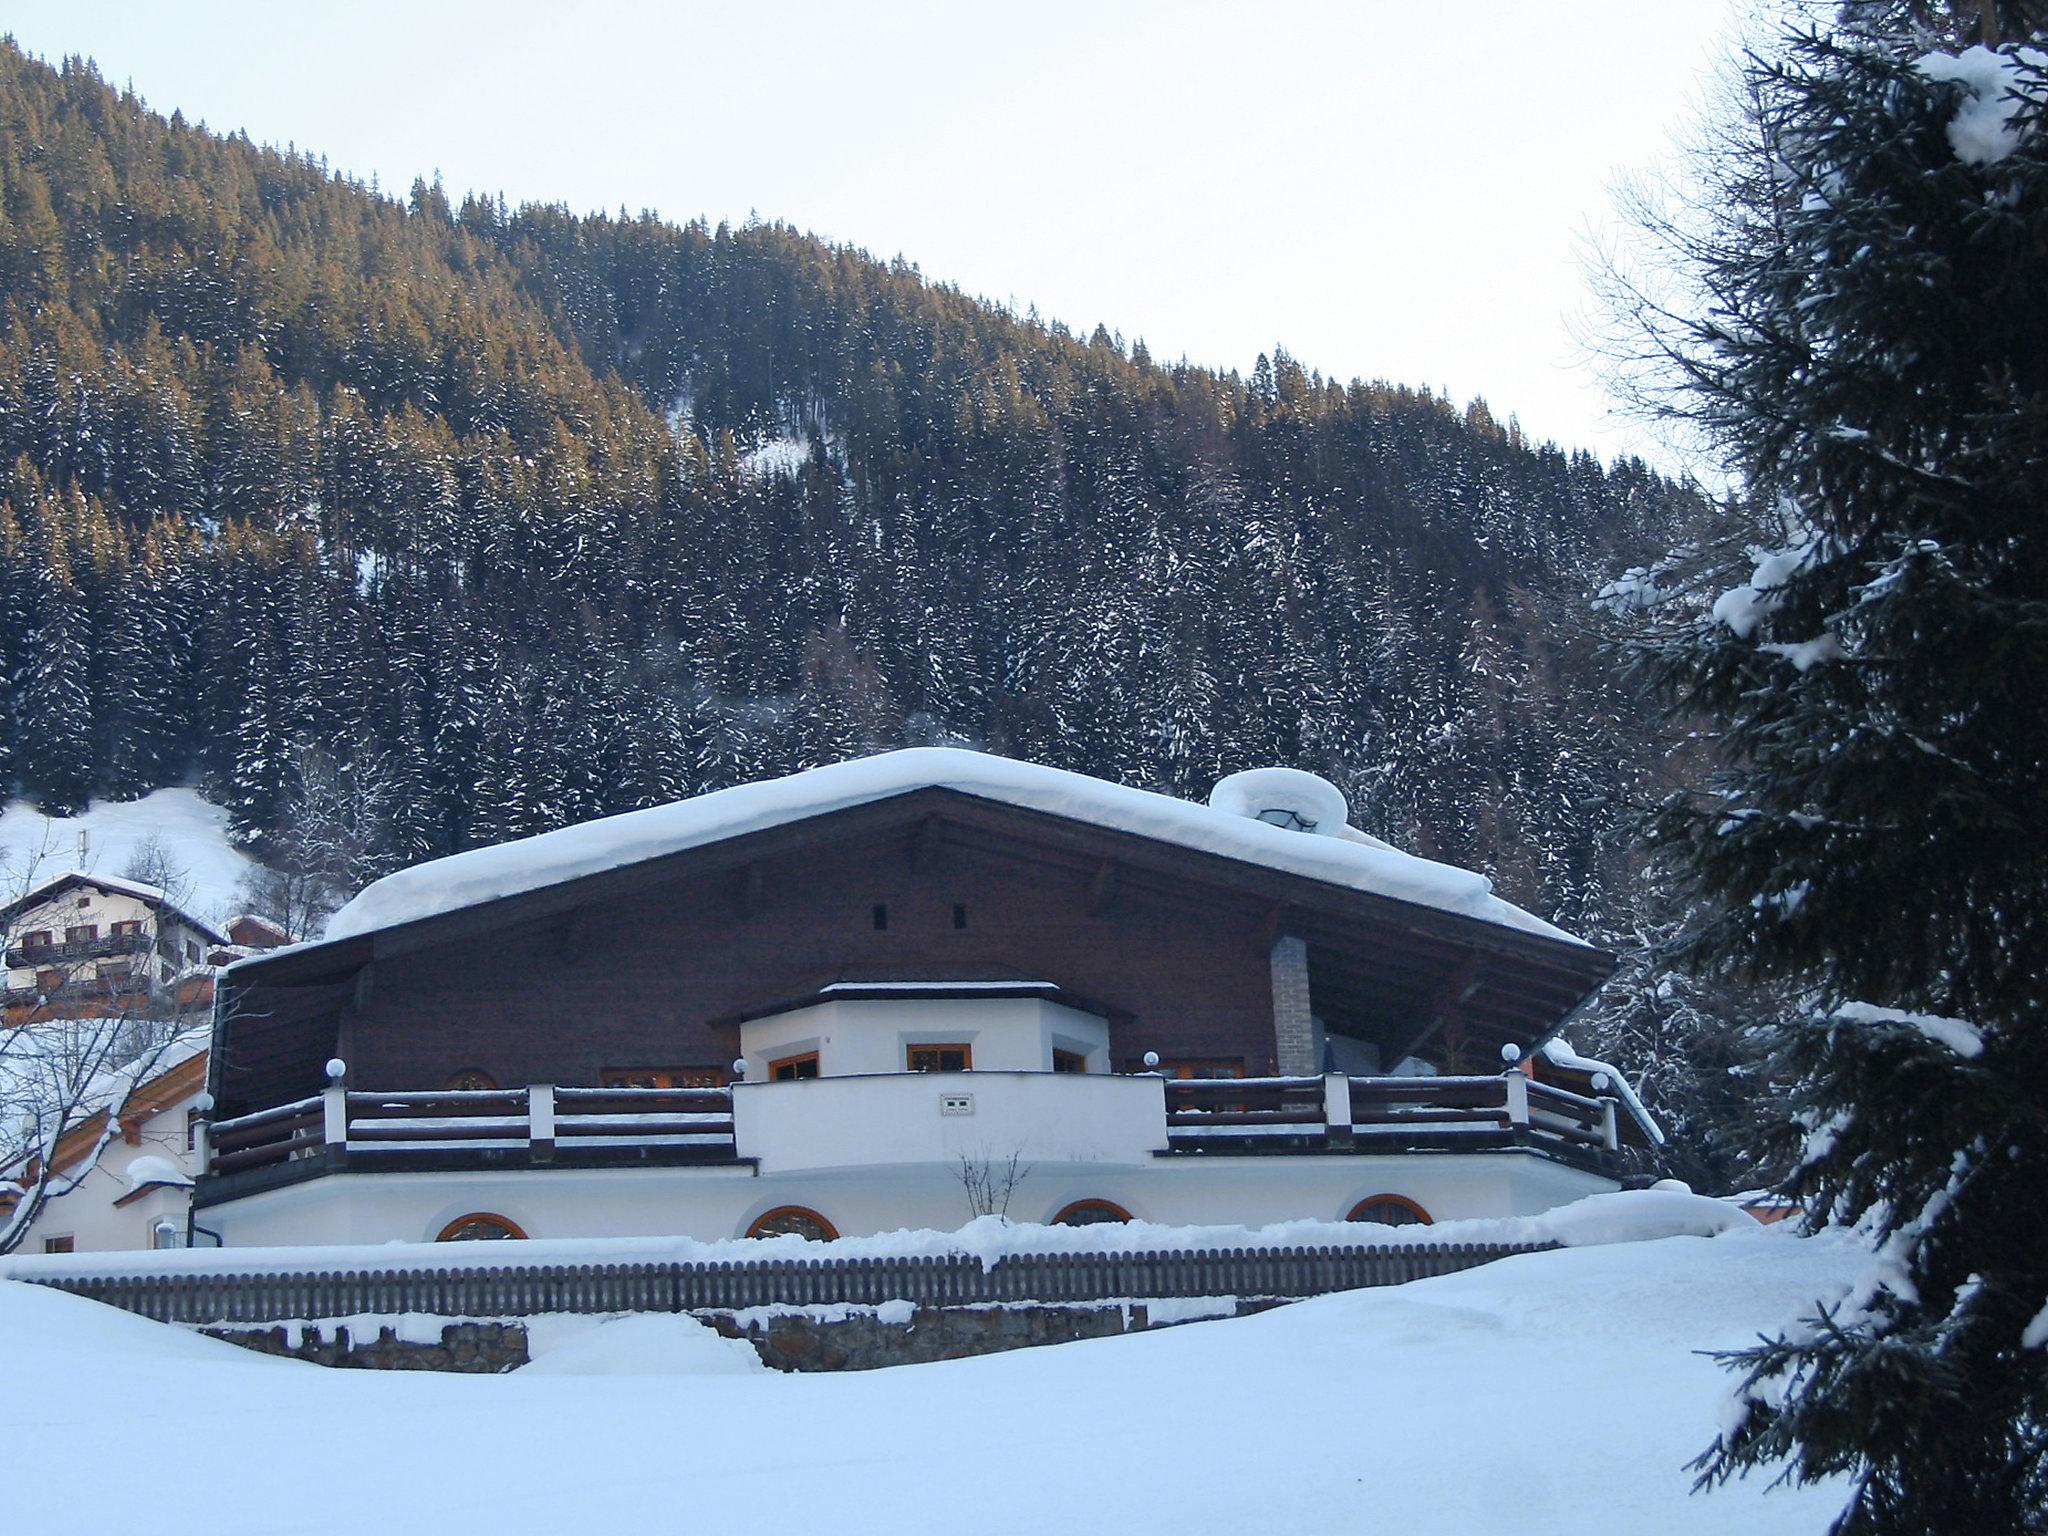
{"type": "Point", "coordinates": [951, 1280]}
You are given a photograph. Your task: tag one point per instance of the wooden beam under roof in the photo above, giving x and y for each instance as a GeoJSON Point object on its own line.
{"type": "Point", "coordinates": [1102, 888]}
{"type": "Point", "coordinates": [1450, 997]}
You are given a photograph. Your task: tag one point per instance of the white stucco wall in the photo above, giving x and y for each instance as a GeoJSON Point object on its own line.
{"type": "Point", "coordinates": [1009, 1034]}
{"type": "Point", "coordinates": [939, 1117]}
{"type": "Point", "coordinates": [715, 1203]}
{"type": "Point", "coordinates": [89, 1214]}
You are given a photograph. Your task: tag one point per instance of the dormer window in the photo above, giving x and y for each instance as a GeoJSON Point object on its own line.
{"type": "Point", "coordinates": [1280, 816]}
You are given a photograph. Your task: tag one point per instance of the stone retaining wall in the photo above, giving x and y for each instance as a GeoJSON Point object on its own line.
{"type": "Point", "coordinates": [837, 1339]}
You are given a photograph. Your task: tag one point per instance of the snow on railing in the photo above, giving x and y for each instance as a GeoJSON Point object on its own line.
{"type": "Point", "coordinates": [1335, 1111]}
{"type": "Point", "coordinates": [544, 1122]}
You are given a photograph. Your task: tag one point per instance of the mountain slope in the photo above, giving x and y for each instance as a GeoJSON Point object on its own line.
{"type": "Point", "coordinates": [450, 524]}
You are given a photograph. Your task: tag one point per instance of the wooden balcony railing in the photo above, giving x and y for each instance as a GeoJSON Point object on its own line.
{"type": "Point", "coordinates": [615, 1127]}
{"type": "Point", "coordinates": [1383, 1114]}
{"type": "Point", "coordinates": [79, 949]}
{"type": "Point", "coordinates": [479, 1128]}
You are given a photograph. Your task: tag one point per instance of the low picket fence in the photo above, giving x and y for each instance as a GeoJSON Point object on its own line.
{"type": "Point", "coordinates": [950, 1280]}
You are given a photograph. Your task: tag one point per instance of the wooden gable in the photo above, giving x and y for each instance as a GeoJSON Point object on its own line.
{"type": "Point", "coordinates": [660, 957]}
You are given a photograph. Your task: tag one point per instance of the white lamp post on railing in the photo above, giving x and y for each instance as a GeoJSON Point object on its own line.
{"type": "Point", "coordinates": [334, 1110]}
{"type": "Point", "coordinates": [1516, 1085]}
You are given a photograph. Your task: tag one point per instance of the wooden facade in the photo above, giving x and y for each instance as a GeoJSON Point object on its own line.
{"type": "Point", "coordinates": [654, 965]}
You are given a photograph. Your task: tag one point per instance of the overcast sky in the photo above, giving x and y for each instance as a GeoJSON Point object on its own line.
{"type": "Point", "coordinates": [1387, 190]}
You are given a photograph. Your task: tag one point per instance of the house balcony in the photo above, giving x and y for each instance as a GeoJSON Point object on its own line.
{"type": "Point", "coordinates": [118, 994]}
{"type": "Point", "coordinates": [72, 950]}
{"type": "Point", "coordinates": [895, 1120]}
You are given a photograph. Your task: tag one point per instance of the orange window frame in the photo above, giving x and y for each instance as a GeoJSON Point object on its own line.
{"type": "Point", "coordinates": [1068, 1061]}
{"type": "Point", "coordinates": [1072, 1206]}
{"type": "Point", "coordinates": [777, 1075]}
{"type": "Point", "coordinates": [1403, 1201]}
{"type": "Point", "coordinates": [491, 1218]}
{"type": "Point", "coordinates": [911, 1053]}
{"type": "Point", "coordinates": [761, 1225]}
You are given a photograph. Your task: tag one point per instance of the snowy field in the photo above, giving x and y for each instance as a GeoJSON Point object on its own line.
{"type": "Point", "coordinates": [1552, 1393]}
{"type": "Point", "coordinates": [192, 831]}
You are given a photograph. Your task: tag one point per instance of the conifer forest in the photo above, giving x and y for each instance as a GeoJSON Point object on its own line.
{"type": "Point", "coordinates": [493, 520]}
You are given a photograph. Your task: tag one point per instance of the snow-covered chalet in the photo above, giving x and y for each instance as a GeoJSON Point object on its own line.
{"type": "Point", "coordinates": [901, 992]}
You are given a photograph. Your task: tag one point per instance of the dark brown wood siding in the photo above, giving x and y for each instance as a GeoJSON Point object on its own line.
{"type": "Point", "coordinates": [657, 976]}
{"type": "Point", "coordinates": [649, 964]}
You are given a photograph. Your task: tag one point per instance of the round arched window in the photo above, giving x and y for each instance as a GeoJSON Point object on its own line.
{"type": "Point", "coordinates": [1391, 1211]}
{"type": "Point", "coordinates": [1091, 1213]}
{"type": "Point", "coordinates": [478, 1226]}
{"type": "Point", "coordinates": [788, 1220]}
{"type": "Point", "coordinates": [471, 1080]}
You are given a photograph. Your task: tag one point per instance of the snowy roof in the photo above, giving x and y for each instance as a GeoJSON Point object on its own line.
{"type": "Point", "coordinates": [1338, 855]}
{"type": "Point", "coordinates": [155, 895]}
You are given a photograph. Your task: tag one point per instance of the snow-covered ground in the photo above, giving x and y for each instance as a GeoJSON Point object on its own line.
{"type": "Point", "coordinates": [193, 832]}
{"type": "Point", "coordinates": [1552, 1393]}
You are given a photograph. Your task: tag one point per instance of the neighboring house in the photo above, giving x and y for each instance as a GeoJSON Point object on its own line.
{"type": "Point", "coordinates": [900, 991]}
{"type": "Point", "coordinates": [249, 933]}
{"type": "Point", "coordinates": [133, 1188]}
{"type": "Point", "coordinates": [85, 945]}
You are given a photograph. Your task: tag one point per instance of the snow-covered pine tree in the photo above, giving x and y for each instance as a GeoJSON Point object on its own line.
{"type": "Point", "coordinates": [1868, 344]}
{"type": "Point", "coordinates": [54, 702]}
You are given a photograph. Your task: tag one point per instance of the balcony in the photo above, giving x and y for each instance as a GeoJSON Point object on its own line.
{"type": "Point", "coordinates": [896, 1119]}
{"type": "Point", "coordinates": [121, 993]}
{"type": "Point", "coordinates": [1335, 1113]}
{"type": "Point", "coordinates": [79, 949]}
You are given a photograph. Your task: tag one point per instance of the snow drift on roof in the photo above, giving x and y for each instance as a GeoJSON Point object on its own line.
{"type": "Point", "coordinates": [486, 874]}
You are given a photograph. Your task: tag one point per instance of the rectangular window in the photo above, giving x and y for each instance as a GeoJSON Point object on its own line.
{"type": "Point", "coordinates": [65, 1244]}
{"type": "Point", "coordinates": [1069, 1061]}
{"type": "Point", "coordinates": [663, 1077]}
{"type": "Point", "coordinates": [938, 1058]}
{"type": "Point", "coordinates": [81, 933]}
{"type": "Point", "coordinates": [192, 952]}
{"type": "Point", "coordinates": [36, 938]}
{"type": "Point", "coordinates": [127, 929]}
{"type": "Point", "coordinates": [789, 1068]}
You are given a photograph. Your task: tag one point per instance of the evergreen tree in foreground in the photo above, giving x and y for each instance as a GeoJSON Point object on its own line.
{"type": "Point", "coordinates": [1869, 346]}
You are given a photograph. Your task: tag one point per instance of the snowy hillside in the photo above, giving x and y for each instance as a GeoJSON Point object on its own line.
{"type": "Point", "coordinates": [192, 831]}
{"type": "Point", "coordinates": [1554, 1393]}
